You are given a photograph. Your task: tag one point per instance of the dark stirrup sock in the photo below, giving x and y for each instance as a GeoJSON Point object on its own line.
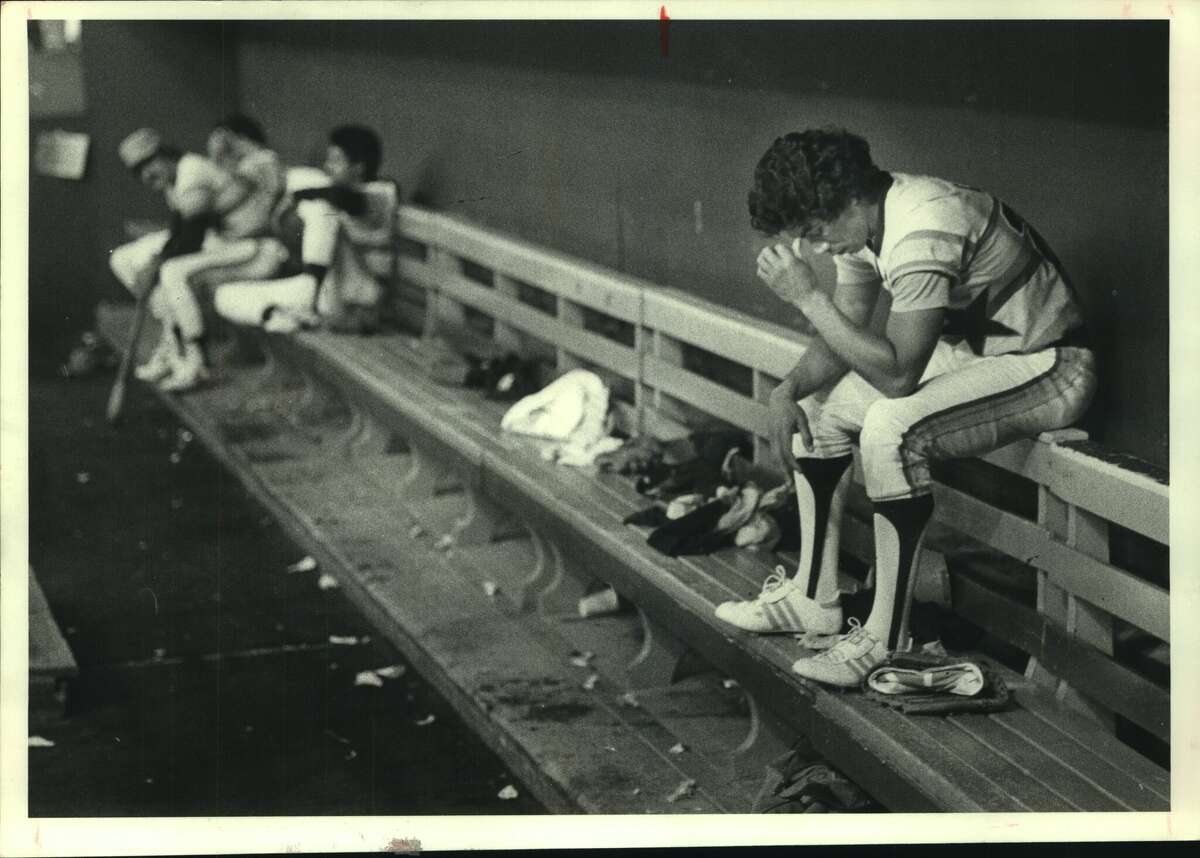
{"type": "Point", "coordinates": [899, 529]}
{"type": "Point", "coordinates": [319, 272]}
{"type": "Point", "coordinates": [821, 478]}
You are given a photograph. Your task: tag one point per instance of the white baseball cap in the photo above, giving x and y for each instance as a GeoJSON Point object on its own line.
{"type": "Point", "coordinates": [138, 146]}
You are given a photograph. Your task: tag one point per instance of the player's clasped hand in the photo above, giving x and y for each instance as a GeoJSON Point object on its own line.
{"type": "Point", "coordinates": [786, 272]}
{"type": "Point", "coordinates": [787, 419]}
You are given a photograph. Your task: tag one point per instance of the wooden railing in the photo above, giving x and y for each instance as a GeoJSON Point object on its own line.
{"type": "Point", "coordinates": [675, 361]}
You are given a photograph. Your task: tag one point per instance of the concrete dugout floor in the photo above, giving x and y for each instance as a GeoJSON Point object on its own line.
{"type": "Point", "coordinates": [208, 684]}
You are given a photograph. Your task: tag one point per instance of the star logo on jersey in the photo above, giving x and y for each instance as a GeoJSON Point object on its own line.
{"type": "Point", "coordinates": [973, 324]}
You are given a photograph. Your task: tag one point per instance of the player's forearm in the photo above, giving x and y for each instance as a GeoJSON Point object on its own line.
{"type": "Point", "coordinates": [817, 368]}
{"type": "Point", "coordinates": [870, 355]}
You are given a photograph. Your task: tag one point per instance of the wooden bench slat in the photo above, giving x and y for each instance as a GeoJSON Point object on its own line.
{"type": "Point", "coordinates": [1125, 691]}
{"type": "Point", "coordinates": [754, 344]}
{"type": "Point", "coordinates": [1130, 500]}
{"type": "Point", "coordinates": [699, 392]}
{"type": "Point", "coordinates": [909, 762]}
{"type": "Point", "coordinates": [584, 283]}
{"type": "Point", "coordinates": [997, 768]}
{"type": "Point", "coordinates": [1133, 501]}
{"type": "Point", "coordinates": [586, 344]}
{"type": "Point", "coordinates": [1121, 593]}
{"type": "Point", "coordinates": [1007, 786]}
{"type": "Point", "coordinates": [1050, 772]}
{"type": "Point", "coordinates": [1076, 731]}
{"type": "Point", "coordinates": [902, 746]}
{"type": "Point", "coordinates": [1084, 759]}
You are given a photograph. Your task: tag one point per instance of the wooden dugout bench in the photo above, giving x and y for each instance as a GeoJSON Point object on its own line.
{"type": "Point", "coordinates": [1052, 553]}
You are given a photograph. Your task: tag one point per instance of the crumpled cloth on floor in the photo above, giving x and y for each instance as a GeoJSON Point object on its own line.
{"type": "Point", "coordinates": [799, 781]}
{"type": "Point", "coordinates": [574, 408]}
{"type": "Point", "coordinates": [921, 683]}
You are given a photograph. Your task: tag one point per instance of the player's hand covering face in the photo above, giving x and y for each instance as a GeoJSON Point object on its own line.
{"type": "Point", "coordinates": [786, 272]}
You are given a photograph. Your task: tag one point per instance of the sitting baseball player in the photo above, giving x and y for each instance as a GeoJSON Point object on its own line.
{"type": "Point", "coordinates": [340, 212]}
{"type": "Point", "coordinates": [984, 343]}
{"type": "Point", "coordinates": [220, 221]}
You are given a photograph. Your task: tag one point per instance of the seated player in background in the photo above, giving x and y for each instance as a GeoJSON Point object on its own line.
{"type": "Point", "coordinates": [345, 211]}
{"type": "Point", "coordinates": [984, 343]}
{"type": "Point", "coordinates": [219, 230]}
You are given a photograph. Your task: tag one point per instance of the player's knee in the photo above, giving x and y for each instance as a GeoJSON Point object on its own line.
{"type": "Point", "coordinates": [884, 426]}
{"type": "Point", "coordinates": [227, 304]}
{"type": "Point", "coordinates": [237, 303]}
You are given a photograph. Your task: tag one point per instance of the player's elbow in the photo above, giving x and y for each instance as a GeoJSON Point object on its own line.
{"type": "Point", "coordinates": [900, 386]}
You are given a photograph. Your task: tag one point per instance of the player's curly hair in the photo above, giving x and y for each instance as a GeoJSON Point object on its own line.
{"type": "Point", "coordinates": [361, 145]}
{"type": "Point", "coordinates": [812, 174]}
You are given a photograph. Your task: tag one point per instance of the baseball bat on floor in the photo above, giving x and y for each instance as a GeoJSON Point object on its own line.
{"type": "Point", "coordinates": [116, 398]}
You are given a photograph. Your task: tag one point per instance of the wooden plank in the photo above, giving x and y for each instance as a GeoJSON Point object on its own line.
{"type": "Point", "coordinates": [936, 750]}
{"type": "Point", "coordinates": [625, 547]}
{"type": "Point", "coordinates": [580, 281]}
{"type": "Point", "coordinates": [1123, 497]}
{"type": "Point", "coordinates": [504, 334]}
{"type": "Point", "coordinates": [719, 331]}
{"type": "Point", "coordinates": [1127, 692]}
{"type": "Point", "coordinates": [1087, 760]}
{"type": "Point", "coordinates": [847, 727]}
{"type": "Point", "coordinates": [1132, 500]}
{"type": "Point", "coordinates": [1074, 731]}
{"type": "Point", "coordinates": [701, 393]}
{"type": "Point", "coordinates": [1046, 769]}
{"type": "Point", "coordinates": [570, 314]}
{"type": "Point", "coordinates": [1118, 592]}
{"type": "Point", "coordinates": [574, 476]}
{"type": "Point", "coordinates": [1088, 534]}
{"type": "Point", "coordinates": [593, 348]}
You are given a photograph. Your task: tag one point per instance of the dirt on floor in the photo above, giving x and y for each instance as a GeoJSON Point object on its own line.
{"type": "Point", "coordinates": [213, 681]}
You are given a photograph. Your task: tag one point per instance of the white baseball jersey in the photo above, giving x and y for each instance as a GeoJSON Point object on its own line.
{"type": "Point", "coordinates": [252, 217]}
{"type": "Point", "coordinates": [196, 173]}
{"type": "Point", "coordinates": [1006, 291]}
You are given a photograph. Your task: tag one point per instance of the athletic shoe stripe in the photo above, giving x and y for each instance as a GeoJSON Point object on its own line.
{"type": "Point", "coordinates": [793, 617]}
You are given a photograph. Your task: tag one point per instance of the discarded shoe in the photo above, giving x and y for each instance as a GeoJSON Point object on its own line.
{"type": "Point", "coordinates": [185, 376]}
{"type": "Point", "coordinates": [848, 662]}
{"type": "Point", "coordinates": [781, 608]}
{"type": "Point", "coordinates": [158, 366]}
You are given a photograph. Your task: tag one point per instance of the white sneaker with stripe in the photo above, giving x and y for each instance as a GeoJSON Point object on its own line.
{"type": "Point", "coordinates": [781, 607]}
{"type": "Point", "coordinates": [848, 662]}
